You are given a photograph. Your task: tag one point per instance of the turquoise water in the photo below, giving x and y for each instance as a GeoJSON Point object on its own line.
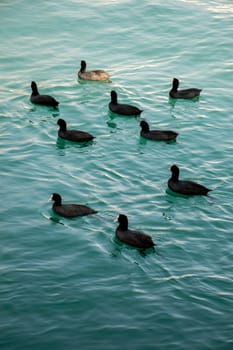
{"type": "Point", "coordinates": [68, 284]}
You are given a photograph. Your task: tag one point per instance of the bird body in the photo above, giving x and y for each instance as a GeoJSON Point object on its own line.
{"type": "Point", "coordinates": [121, 108]}
{"type": "Point", "coordinates": [95, 75]}
{"type": "Point", "coordinates": [156, 135]}
{"type": "Point", "coordinates": [185, 187]}
{"type": "Point", "coordinates": [69, 210]}
{"type": "Point", "coordinates": [131, 237]}
{"type": "Point", "coordinates": [45, 100]}
{"type": "Point", "coordinates": [185, 94]}
{"type": "Point", "coordinates": [73, 135]}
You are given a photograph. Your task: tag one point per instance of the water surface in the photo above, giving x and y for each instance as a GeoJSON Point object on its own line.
{"type": "Point", "coordinates": [68, 284]}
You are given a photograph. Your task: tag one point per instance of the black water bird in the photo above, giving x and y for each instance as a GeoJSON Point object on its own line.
{"type": "Point", "coordinates": [156, 135]}
{"type": "Point", "coordinates": [44, 100]}
{"type": "Point", "coordinates": [72, 135]}
{"type": "Point", "coordinates": [94, 75]}
{"type": "Point", "coordinates": [69, 210]}
{"type": "Point", "coordinates": [130, 237]}
{"type": "Point", "coordinates": [185, 187]}
{"type": "Point", "coordinates": [186, 94]}
{"type": "Point", "coordinates": [120, 108]}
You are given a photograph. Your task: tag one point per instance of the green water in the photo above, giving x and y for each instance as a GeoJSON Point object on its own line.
{"type": "Point", "coordinates": [67, 283]}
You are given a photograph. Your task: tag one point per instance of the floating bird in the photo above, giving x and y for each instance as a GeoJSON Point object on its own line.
{"type": "Point", "coordinates": [95, 75]}
{"type": "Point", "coordinates": [157, 135]}
{"type": "Point", "coordinates": [120, 108]}
{"type": "Point", "coordinates": [133, 238]}
{"type": "Point", "coordinates": [38, 99]}
{"type": "Point", "coordinates": [73, 135]}
{"type": "Point", "coordinates": [69, 210]}
{"type": "Point", "coordinates": [187, 93]}
{"type": "Point", "coordinates": [185, 187]}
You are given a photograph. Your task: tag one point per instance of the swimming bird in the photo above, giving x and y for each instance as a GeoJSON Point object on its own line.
{"type": "Point", "coordinates": [73, 135]}
{"type": "Point", "coordinates": [133, 238]}
{"type": "Point", "coordinates": [69, 210]}
{"type": "Point", "coordinates": [187, 93]}
{"type": "Point", "coordinates": [45, 100]}
{"type": "Point", "coordinates": [95, 75]}
{"type": "Point", "coordinates": [157, 135]}
{"type": "Point", "coordinates": [120, 108]}
{"type": "Point", "coordinates": [185, 187]}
